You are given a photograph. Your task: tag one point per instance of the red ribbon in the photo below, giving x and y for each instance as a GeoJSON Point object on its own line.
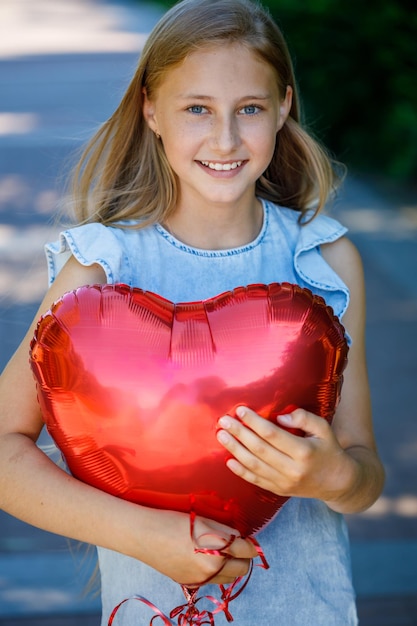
{"type": "Point", "coordinates": [157, 612]}
{"type": "Point", "coordinates": [188, 614]}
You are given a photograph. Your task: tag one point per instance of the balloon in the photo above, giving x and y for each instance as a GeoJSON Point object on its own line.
{"type": "Point", "coordinates": [131, 387]}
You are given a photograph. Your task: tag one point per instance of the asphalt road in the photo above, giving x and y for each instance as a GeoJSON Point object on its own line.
{"type": "Point", "coordinates": [63, 68]}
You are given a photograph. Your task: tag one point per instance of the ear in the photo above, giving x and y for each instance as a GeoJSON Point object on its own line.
{"type": "Point", "coordinates": [148, 108]}
{"type": "Point", "coordinates": [285, 108]}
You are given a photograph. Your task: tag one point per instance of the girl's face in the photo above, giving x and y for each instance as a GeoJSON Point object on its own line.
{"type": "Point", "coordinates": [218, 114]}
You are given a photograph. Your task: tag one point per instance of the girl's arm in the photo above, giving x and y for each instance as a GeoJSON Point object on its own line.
{"type": "Point", "coordinates": [35, 490]}
{"type": "Point", "coordinates": [337, 464]}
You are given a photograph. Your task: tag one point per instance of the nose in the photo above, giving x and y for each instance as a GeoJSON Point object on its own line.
{"type": "Point", "coordinates": [225, 134]}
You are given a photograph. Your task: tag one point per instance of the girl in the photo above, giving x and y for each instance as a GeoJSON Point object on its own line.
{"type": "Point", "coordinates": [203, 180]}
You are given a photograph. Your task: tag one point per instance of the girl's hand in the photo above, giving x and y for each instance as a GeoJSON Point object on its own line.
{"type": "Point", "coordinates": [266, 455]}
{"type": "Point", "coordinates": [172, 549]}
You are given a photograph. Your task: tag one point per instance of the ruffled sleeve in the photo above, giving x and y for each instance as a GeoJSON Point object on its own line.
{"type": "Point", "coordinates": [90, 244]}
{"type": "Point", "coordinates": [313, 270]}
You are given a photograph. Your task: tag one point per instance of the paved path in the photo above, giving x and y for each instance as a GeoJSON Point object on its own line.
{"type": "Point", "coordinates": [63, 67]}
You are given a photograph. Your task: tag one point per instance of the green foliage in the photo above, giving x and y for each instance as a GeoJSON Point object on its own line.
{"type": "Point", "coordinates": [356, 65]}
{"type": "Point", "coordinates": [357, 71]}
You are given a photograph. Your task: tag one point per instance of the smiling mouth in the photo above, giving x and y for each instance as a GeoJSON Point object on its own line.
{"type": "Point", "coordinates": [222, 167]}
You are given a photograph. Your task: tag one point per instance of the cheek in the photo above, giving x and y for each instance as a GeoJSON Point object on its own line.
{"type": "Point", "coordinates": [182, 141]}
{"type": "Point", "coordinates": [266, 143]}
{"type": "Point", "coordinates": [262, 134]}
{"type": "Point", "coordinates": [179, 153]}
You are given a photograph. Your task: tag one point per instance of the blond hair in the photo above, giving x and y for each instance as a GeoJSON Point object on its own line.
{"type": "Point", "coordinates": [124, 174]}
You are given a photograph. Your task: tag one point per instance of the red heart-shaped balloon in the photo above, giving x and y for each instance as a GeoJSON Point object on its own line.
{"type": "Point", "coordinates": [131, 387]}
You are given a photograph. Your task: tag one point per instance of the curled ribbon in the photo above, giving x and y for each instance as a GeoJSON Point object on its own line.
{"type": "Point", "coordinates": [158, 613]}
{"type": "Point", "coordinates": [188, 614]}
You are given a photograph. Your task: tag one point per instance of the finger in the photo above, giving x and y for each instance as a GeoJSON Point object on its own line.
{"type": "Point", "coordinates": [242, 549]}
{"type": "Point", "coordinates": [232, 545]}
{"type": "Point", "coordinates": [252, 468]}
{"type": "Point", "coordinates": [264, 428]}
{"type": "Point", "coordinates": [248, 450]}
{"type": "Point", "coordinates": [253, 436]}
{"type": "Point", "coordinates": [226, 571]}
{"type": "Point", "coordinates": [312, 425]}
{"type": "Point", "coordinates": [299, 422]}
{"type": "Point", "coordinates": [232, 569]}
{"type": "Point", "coordinates": [236, 567]}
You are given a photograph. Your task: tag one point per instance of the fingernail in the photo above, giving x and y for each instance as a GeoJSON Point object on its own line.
{"type": "Point", "coordinates": [225, 422]}
{"type": "Point", "coordinates": [241, 411]}
{"type": "Point", "coordinates": [285, 419]}
{"type": "Point", "coordinates": [223, 436]}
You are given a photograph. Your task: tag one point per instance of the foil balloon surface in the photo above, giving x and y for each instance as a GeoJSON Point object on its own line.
{"type": "Point", "coordinates": [131, 387]}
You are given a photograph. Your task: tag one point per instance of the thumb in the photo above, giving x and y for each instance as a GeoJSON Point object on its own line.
{"type": "Point", "coordinates": [242, 549]}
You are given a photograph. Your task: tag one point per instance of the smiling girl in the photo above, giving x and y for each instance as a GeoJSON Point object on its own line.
{"type": "Point", "coordinates": [204, 180]}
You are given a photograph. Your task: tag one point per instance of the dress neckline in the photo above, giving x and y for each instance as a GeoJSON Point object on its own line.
{"type": "Point", "coordinates": [177, 243]}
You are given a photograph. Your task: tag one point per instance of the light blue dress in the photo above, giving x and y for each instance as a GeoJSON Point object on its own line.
{"type": "Point", "coordinates": [309, 580]}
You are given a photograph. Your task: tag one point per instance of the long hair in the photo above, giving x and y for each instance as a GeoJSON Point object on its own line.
{"type": "Point", "coordinates": [124, 174]}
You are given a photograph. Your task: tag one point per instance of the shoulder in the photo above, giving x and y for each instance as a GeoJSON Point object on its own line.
{"type": "Point", "coordinates": [345, 259]}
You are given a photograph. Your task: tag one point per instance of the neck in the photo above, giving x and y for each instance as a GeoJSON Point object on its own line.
{"type": "Point", "coordinates": [216, 229]}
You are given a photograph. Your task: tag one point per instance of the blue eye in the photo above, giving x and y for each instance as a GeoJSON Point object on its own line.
{"type": "Point", "coordinates": [250, 109]}
{"type": "Point", "coordinates": [197, 109]}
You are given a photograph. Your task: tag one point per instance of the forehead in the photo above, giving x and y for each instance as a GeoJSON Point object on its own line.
{"type": "Point", "coordinates": [218, 67]}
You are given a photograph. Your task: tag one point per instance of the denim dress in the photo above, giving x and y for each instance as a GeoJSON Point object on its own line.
{"type": "Point", "coordinates": [306, 545]}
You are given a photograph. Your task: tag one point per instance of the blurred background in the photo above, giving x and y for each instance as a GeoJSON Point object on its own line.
{"type": "Point", "coordinates": [64, 65]}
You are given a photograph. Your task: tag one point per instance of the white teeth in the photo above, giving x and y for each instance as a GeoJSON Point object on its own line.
{"type": "Point", "coordinates": [222, 167]}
